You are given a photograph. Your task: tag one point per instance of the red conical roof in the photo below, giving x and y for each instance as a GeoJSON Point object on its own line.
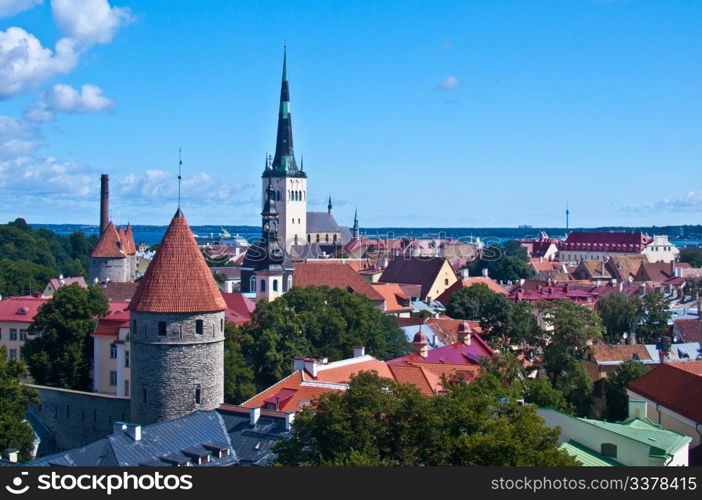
{"type": "Point", "coordinates": [109, 244]}
{"type": "Point", "coordinates": [129, 240]}
{"type": "Point", "coordinates": [178, 279]}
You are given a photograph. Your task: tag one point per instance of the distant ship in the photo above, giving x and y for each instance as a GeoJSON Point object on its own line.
{"type": "Point", "coordinates": [525, 226]}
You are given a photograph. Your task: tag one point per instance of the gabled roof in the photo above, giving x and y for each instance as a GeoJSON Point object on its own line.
{"type": "Point", "coordinates": [109, 245]}
{"type": "Point", "coordinates": [677, 387]}
{"type": "Point", "coordinates": [178, 279]}
{"type": "Point", "coordinates": [414, 271]}
{"type": "Point", "coordinates": [57, 283]}
{"type": "Point", "coordinates": [20, 309]}
{"type": "Point", "coordinates": [239, 308]}
{"type": "Point", "coordinates": [605, 353]}
{"type": "Point", "coordinates": [333, 275]}
{"type": "Point", "coordinates": [129, 242]}
{"type": "Point", "coordinates": [322, 222]}
{"type": "Point", "coordinates": [654, 271]}
{"type": "Point", "coordinates": [119, 291]}
{"type": "Point", "coordinates": [457, 353]}
{"type": "Point", "coordinates": [689, 329]}
{"type": "Point", "coordinates": [393, 295]}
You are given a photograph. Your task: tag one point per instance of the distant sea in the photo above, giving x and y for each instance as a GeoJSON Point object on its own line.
{"type": "Point", "coordinates": [681, 236]}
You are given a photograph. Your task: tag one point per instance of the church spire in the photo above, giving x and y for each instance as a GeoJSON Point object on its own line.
{"type": "Point", "coordinates": [329, 206]}
{"type": "Point", "coordinates": [284, 160]}
{"type": "Point", "coordinates": [356, 230]}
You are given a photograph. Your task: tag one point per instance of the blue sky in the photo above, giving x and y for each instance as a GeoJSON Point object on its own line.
{"type": "Point", "coordinates": [453, 113]}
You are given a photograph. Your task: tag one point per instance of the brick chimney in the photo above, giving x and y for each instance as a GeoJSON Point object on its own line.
{"type": "Point", "coordinates": [104, 202]}
{"type": "Point", "coordinates": [420, 345]}
{"type": "Point", "coordinates": [464, 333]}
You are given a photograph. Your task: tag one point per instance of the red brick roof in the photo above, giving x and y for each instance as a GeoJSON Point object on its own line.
{"type": "Point", "coordinates": [393, 295]}
{"type": "Point", "coordinates": [178, 279]}
{"type": "Point", "coordinates": [333, 275]}
{"type": "Point", "coordinates": [677, 386]}
{"type": "Point", "coordinates": [20, 309]}
{"type": "Point", "coordinates": [239, 308]}
{"type": "Point", "coordinates": [109, 245]}
{"type": "Point", "coordinates": [620, 242]}
{"type": "Point", "coordinates": [690, 329]}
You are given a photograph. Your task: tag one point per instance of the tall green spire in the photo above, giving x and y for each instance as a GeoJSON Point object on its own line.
{"type": "Point", "coordinates": [284, 159]}
{"type": "Point", "coordinates": [356, 230]}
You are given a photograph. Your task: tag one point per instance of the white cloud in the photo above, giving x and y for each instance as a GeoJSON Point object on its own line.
{"type": "Point", "coordinates": [24, 62]}
{"type": "Point", "coordinates": [17, 138]}
{"type": "Point", "coordinates": [451, 82]}
{"type": "Point", "coordinates": [89, 21]}
{"type": "Point", "coordinates": [160, 185]}
{"type": "Point", "coordinates": [66, 99]}
{"type": "Point", "coordinates": [689, 202]}
{"type": "Point", "coordinates": [12, 7]}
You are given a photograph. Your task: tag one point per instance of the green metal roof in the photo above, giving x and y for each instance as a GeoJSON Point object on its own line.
{"type": "Point", "coordinates": [662, 442]}
{"type": "Point", "coordinates": [586, 456]}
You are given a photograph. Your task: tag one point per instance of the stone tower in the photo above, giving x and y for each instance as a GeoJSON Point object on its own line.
{"type": "Point", "coordinates": [288, 181]}
{"type": "Point", "coordinates": [266, 269]}
{"type": "Point", "coordinates": [114, 256]}
{"type": "Point", "coordinates": [177, 332]}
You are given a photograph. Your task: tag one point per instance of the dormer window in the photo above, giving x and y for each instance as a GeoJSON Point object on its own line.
{"type": "Point", "coordinates": [22, 311]}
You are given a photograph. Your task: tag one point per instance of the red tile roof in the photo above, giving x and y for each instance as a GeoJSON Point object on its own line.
{"type": "Point", "coordinates": [333, 275]}
{"type": "Point", "coordinates": [20, 309]}
{"type": "Point", "coordinates": [239, 308]}
{"type": "Point", "coordinates": [393, 295]}
{"type": "Point", "coordinates": [690, 329]}
{"type": "Point", "coordinates": [178, 279]}
{"type": "Point", "coordinates": [109, 245]}
{"type": "Point", "coordinates": [619, 242]}
{"type": "Point", "coordinates": [129, 244]}
{"type": "Point", "coordinates": [117, 318]}
{"type": "Point", "coordinates": [457, 353]}
{"type": "Point", "coordinates": [676, 386]}
{"type": "Point", "coordinates": [119, 291]}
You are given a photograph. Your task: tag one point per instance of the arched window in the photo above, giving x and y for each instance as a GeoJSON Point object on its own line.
{"type": "Point", "coordinates": [275, 285]}
{"type": "Point", "coordinates": [317, 237]}
{"type": "Point", "coordinates": [335, 238]}
{"type": "Point", "coordinates": [326, 238]}
{"type": "Point", "coordinates": [290, 281]}
{"type": "Point", "coordinates": [296, 239]}
{"type": "Point", "coordinates": [277, 195]}
{"type": "Point", "coordinates": [309, 237]}
{"type": "Point", "coordinates": [263, 285]}
{"type": "Point", "coordinates": [252, 284]}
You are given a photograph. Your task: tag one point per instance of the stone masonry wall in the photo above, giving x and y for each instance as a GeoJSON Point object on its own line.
{"type": "Point", "coordinates": [77, 418]}
{"type": "Point", "coordinates": [166, 370]}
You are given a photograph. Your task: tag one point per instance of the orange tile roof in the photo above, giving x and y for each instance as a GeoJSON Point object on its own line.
{"type": "Point", "coordinates": [130, 244]}
{"type": "Point", "coordinates": [619, 352]}
{"type": "Point", "coordinates": [446, 296]}
{"type": "Point", "coordinates": [109, 245]}
{"type": "Point", "coordinates": [342, 371]}
{"type": "Point", "coordinates": [178, 279]}
{"type": "Point", "coordinates": [392, 293]}
{"type": "Point", "coordinates": [333, 275]}
{"type": "Point", "coordinates": [412, 374]}
{"type": "Point", "coordinates": [303, 395]}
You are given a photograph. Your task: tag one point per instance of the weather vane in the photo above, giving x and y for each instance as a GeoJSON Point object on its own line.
{"type": "Point", "coordinates": [180, 166]}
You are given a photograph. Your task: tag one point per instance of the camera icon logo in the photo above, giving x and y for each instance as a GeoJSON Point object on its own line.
{"type": "Point", "coordinates": [16, 488]}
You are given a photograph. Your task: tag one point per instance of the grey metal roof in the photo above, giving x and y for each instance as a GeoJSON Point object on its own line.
{"type": "Point", "coordinates": [163, 442]}
{"type": "Point", "coordinates": [688, 351]}
{"type": "Point", "coordinates": [254, 444]}
{"type": "Point", "coordinates": [321, 222]}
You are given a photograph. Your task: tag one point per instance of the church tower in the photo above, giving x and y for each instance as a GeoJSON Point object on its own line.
{"type": "Point", "coordinates": [288, 181]}
{"type": "Point", "coordinates": [266, 269]}
{"type": "Point", "coordinates": [176, 332]}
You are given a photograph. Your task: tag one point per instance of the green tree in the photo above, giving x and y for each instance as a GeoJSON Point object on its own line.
{"type": "Point", "coordinates": [238, 374]}
{"type": "Point", "coordinates": [573, 326]}
{"type": "Point", "coordinates": [656, 314]}
{"type": "Point", "coordinates": [316, 322]}
{"type": "Point", "coordinates": [378, 422]}
{"type": "Point", "coordinates": [479, 303]}
{"type": "Point", "coordinates": [615, 389]}
{"type": "Point", "coordinates": [15, 431]}
{"type": "Point", "coordinates": [540, 392]}
{"type": "Point", "coordinates": [22, 277]}
{"type": "Point", "coordinates": [576, 386]}
{"type": "Point", "coordinates": [620, 313]}
{"type": "Point", "coordinates": [691, 255]}
{"type": "Point", "coordinates": [504, 263]}
{"type": "Point", "coordinates": [60, 353]}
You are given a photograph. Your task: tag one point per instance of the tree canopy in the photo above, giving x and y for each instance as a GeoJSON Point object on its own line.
{"type": "Point", "coordinates": [30, 255]}
{"type": "Point", "coordinates": [315, 322]}
{"type": "Point", "coordinates": [691, 255]}
{"type": "Point", "coordinates": [15, 431]}
{"type": "Point", "coordinates": [378, 422]}
{"type": "Point", "coordinates": [507, 262]}
{"type": "Point", "coordinates": [656, 313]}
{"type": "Point", "coordinates": [60, 352]}
{"type": "Point", "coordinates": [620, 314]}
